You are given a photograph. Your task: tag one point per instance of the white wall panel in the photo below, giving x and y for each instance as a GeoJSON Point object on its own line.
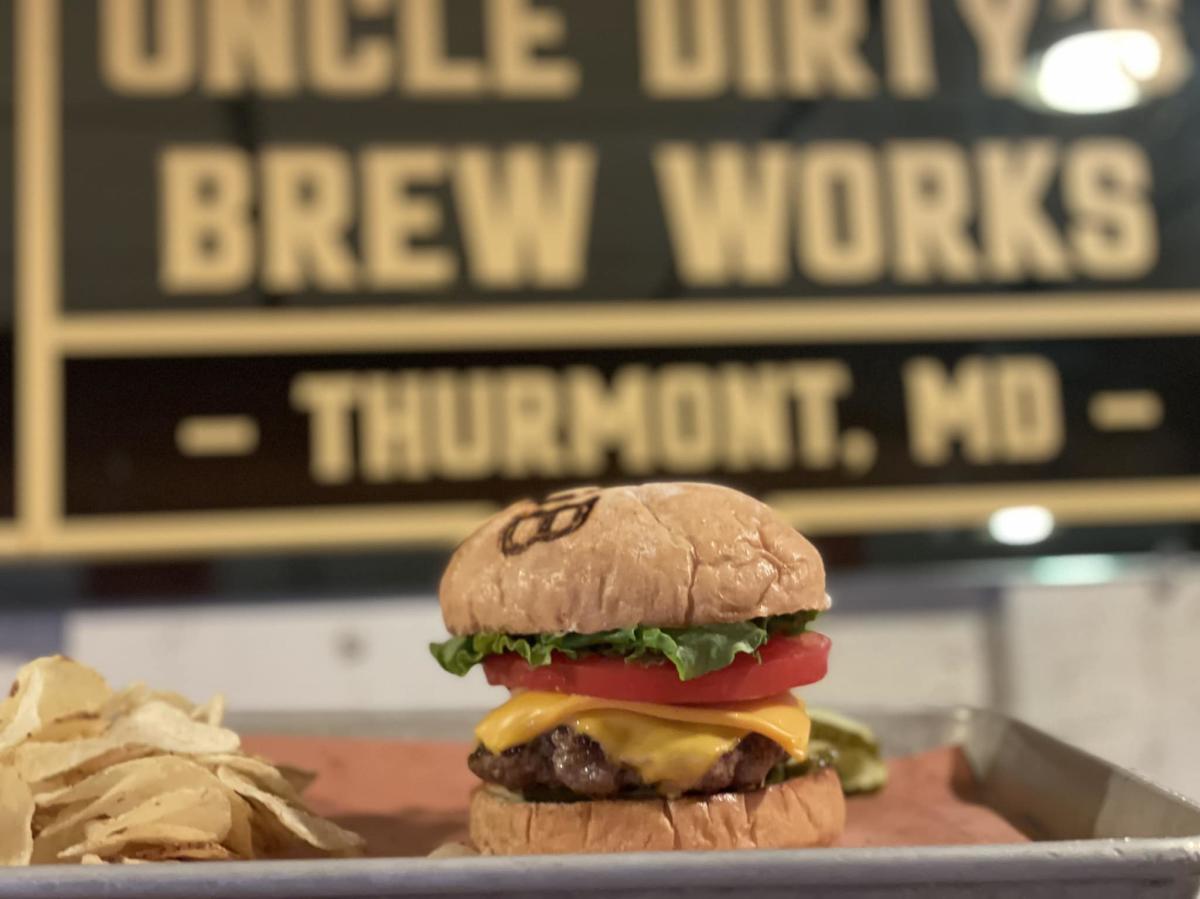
{"type": "Point", "coordinates": [904, 658]}
{"type": "Point", "coordinates": [338, 654]}
{"type": "Point", "coordinates": [1086, 664]}
{"type": "Point", "coordinates": [372, 655]}
{"type": "Point", "coordinates": [1180, 696]}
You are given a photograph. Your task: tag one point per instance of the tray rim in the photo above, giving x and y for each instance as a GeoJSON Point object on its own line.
{"type": "Point", "coordinates": [963, 713]}
{"type": "Point", "coordinates": [1053, 861]}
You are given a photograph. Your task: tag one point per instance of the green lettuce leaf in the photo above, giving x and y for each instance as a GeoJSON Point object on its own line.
{"type": "Point", "coordinates": [694, 651]}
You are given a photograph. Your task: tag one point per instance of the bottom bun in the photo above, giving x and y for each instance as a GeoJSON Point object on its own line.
{"type": "Point", "coordinates": [804, 811]}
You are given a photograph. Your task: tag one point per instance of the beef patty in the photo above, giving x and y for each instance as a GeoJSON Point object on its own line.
{"type": "Point", "coordinates": [564, 761]}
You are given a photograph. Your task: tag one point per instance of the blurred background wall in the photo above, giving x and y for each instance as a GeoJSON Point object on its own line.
{"type": "Point", "coordinates": [302, 289]}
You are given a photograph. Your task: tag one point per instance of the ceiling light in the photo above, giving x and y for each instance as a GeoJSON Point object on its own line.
{"type": "Point", "coordinates": [1095, 72]}
{"type": "Point", "coordinates": [1021, 525]}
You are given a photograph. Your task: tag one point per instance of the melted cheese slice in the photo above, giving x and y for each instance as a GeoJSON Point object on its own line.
{"type": "Point", "coordinates": [668, 745]}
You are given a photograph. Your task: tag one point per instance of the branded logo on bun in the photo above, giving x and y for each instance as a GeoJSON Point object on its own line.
{"type": "Point", "coordinates": [553, 519]}
{"type": "Point", "coordinates": [651, 637]}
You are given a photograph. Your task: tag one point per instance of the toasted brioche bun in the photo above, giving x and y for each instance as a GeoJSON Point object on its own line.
{"type": "Point", "coordinates": [798, 813]}
{"type": "Point", "coordinates": [666, 555]}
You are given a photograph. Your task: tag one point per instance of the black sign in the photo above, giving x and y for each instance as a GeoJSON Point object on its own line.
{"type": "Point", "coordinates": [340, 274]}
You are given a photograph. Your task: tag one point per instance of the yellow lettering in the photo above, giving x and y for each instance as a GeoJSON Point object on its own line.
{"type": "Point", "coordinates": [394, 218]}
{"type": "Point", "coordinates": [601, 417]}
{"type": "Point", "coordinates": [817, 387]}
{"type": "Point", "coordinates": [931, 209]}
{"type": "Point", "coordinates": [1029, 396]}
{"type": "Point", "coordinates": [1001, 30]}
{"type": "Point", "coordinates": [908, 48]}
{"type": "Point", "coordinates": [755, 425]}
{"type": "Point", "coordinates": [327, 398]}
{"type": "Point", "coordinates": [519, 38]}
{"type": "Point", "coordinates": [945, 408]}
{"type": "Point", "coordinates": [756, 49]}
{"type": "Point", "coordinates": [532, 446]}
{"type": "Point", "coordinates": [1160, 19]}
{"type": "Point", "coordinates": [1107, 189]}
{"type": "Point", "coordinates": [428, 68]}
{"type": "Point", "coordinates": [682, 48]}
{"type": "Point", "coordinates": [342, 65]}
{"type": "Point", "coordinates": [1018, 238]}
{"type": "Point", "coordinates": [726, 211]}
{"type": "Point", "coordinates": [140, 64]}
{"type": "Point", "coordinates": [251, 45]}
{"type": "Point", "coordinates": [824, 48]}
{"type": "Point", "coordinates": [307, 211]}
{"type": "Point", "coordinates": [525, 220]}
{"type": "Point", "coordinates": [464, 422]}
{"type": "Point", "coordinates": [686, 418]}
{"type": "Point", "coordinates": [840, 230]}
{"type": "Point", "coordinates": [391, 430]}
{"type": "Point", "coordinates": [206, 241]}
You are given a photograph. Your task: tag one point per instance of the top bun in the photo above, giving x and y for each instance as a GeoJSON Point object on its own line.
{"type": "Point", "coordinates": [664, 555]}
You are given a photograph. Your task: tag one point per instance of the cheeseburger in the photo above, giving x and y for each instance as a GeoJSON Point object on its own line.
{"type": "Point", "coordinates": [650, 637]}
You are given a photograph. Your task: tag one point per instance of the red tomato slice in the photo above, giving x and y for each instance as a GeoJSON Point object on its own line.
{"type": "Point", "coordinates": [786, 662]}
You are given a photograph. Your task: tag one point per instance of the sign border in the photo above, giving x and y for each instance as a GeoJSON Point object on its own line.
{"type": "Point", "coordinates": [622, 323]}
{"type": "Point", "coordinates": [37, 270]}
{"type": "Point", "coordinates": [46, 337]}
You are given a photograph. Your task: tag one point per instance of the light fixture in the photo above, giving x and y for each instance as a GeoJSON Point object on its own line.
{"type": "Point", "coordinates": [1021, 525]}
{"type": "Point", "coordinates": [1094, 72]}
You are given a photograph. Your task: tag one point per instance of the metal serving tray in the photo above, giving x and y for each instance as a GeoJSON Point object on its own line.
{"type": "Point", "coordinates": [1103, 832]}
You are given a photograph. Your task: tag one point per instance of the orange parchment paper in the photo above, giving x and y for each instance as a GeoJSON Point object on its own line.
{"type": "Point", "coordinates": [408, 798]}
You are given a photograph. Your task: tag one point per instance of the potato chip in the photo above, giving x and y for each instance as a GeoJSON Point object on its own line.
{"type": "Point", "coordinates": [194, 852]}
{"type": "Point", "coordinates": [40, 761]}
{"type": "Point", "coordinates": [155, 725]}
{"type": "Point", "coordinates": [105, 843]}
{"type": "Point", "coordinates": [271, 838]}
{"type": "Point", "coordinates": [212, 712]}
{"type": "Point", "coordinates": [241, 828]}
{"type": "Point", "coordinates": [70, 689]}
{"type": "Point", "coordinates": [44, 817]}
{"type": "Point", "coordinates": [310, 828]}
{"type": "Point", "coordinates": [47, 690]}
{"type": "Point", "coordinates": [203, 807]}
{"type": "Point", "coordinates": [161, 769]}
{"type": "Point", "coordinates": [46, 847]}
{"type": "Point", "coordinates": [125, 701]}
{"type": "Point", "coordinates": [174, 818]}
{"type": "Point", "coordinates": [262, 773]}
{"type": "Point", "coordinates": [300, 779]}
{"type": "Point", "coordinates": [139, 781]}
{"type": "Point", "coordinates": [92, 859]}
{"type": "Point", "coordinates": [454, 849]}
{"type": "Point", "coordinates": [23, 719]}
{"type": "Point", "coordinates": [74, 727]}
{"type": "Point", "coordinates": [16, 817]}
{"type": "Point", "coordinates": [92, 776]}
{"type": "Point", "coordinates": [106, 760]}
{"type": "Point", "coordinates": [175, 700]}
{"type": "Point", "coordinates": [169, 729]}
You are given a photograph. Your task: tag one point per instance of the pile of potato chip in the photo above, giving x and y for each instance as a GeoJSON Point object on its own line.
{"type": "Point", "coordinates": [92, 775]}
